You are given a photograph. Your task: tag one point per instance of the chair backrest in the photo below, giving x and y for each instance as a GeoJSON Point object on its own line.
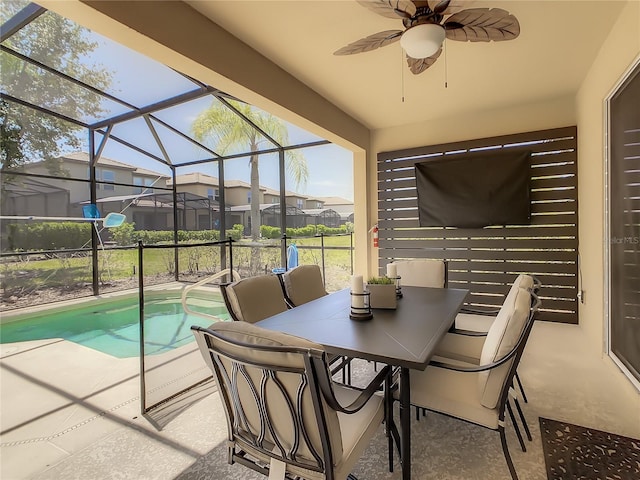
{"type": "Point", "coordinates": [253, 299]}
{"type": "Point", "coordinates": [303, 284]}
{"type": "Point", "coordinates": [506, 331]}
{"type": "Point", "coordinates": [422, 273]}
{"type": "Point", "coordinates": [522, 281]}
{"type": "Point", "coordinates": [269, 385]}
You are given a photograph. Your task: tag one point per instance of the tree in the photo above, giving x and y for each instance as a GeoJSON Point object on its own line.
{"type": "Point", "coordinates": [226, 132]}
{"type": "Point", "coordinates": [27, 134]}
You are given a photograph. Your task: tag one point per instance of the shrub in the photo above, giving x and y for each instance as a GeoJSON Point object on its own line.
{"type": "Point", "coordinates": [124, 234]}
{"type": "Point", "coordinates": [269, 232]}
{"type": "Point", "coordinates": [236, 232]}
{"type": "Point", "coordinates": [49, 235]}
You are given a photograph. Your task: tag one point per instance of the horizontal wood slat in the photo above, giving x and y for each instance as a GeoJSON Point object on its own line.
{"type": "Point", "coordinates": [556, 280]}
{"type": "Point", "coordinates": [502, 290]}
{"type": "Point", "coordinates": [475, 243]}
{"type": "Point", "coordinates": [487, 260]}
{"type": "Point", "coordinates": [482, 233]}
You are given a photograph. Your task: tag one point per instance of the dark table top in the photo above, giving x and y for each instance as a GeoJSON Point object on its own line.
{"type": "Point", "coordinates": [406, 336]}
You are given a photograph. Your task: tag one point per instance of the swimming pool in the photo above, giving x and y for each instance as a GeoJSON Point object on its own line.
{"type": "Point", "coordinates": [112, 326]}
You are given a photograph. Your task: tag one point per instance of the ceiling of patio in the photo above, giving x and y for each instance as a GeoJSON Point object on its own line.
{"type": "Point", "coordinates": [558, 42]}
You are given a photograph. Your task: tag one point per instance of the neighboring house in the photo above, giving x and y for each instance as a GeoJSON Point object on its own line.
{"type": "Point", "coordinates": [323, 216]}
{"type": "Point", "coordinates": [145, 197]}
{"type": "Point", "coordinates": [271, 196]}
{"type": "Point", "coordinates": [269, 215]}
{"type": "Point", "coordinates": [313, 202]}
{"type": "Point", "coordinates": [237, 192]}
{"type": "Point", "coordinates": [341, 205]}
{"type": "Point", "coordinates": [111, 196]}
{"type": "Point", "coordinates": [198, 196]}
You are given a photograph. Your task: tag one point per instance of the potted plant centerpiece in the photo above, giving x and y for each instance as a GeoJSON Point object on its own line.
{"type": "Point", "coordinates": [382, 292]}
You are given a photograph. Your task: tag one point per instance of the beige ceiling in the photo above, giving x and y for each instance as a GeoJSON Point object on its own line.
{"type": "Point", "coordinates": [558, 42]}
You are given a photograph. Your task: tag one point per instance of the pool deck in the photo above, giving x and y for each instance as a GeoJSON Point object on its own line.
{"type": "Point", "coordinates": [57, 397]}
{"type": "Point", "coordinates": [54, 387]}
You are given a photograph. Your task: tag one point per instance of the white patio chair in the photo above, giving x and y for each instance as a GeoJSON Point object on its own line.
{"type": "Point", "coordinates": [283, 410]}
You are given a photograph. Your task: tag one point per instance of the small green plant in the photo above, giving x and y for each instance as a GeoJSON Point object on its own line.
{"type": "Point", "coordinates": [380, 281]}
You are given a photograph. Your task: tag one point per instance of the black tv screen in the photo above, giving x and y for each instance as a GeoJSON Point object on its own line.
{"type": "Point", "coordinates": [475, 190]}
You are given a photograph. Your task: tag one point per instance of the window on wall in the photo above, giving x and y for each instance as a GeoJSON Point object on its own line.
{"type": "Point", "coordinates": [143, 185]}
{"type": "Point", "coordinates": [212, 194]}
{"type": "Point", "coordinates": [103, 175]}
{"type": "Point", "coordinates": [623, 224]}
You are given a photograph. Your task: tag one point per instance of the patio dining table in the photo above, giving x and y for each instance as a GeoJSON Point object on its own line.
{"type": "Point", "coordinates": [405, 337]}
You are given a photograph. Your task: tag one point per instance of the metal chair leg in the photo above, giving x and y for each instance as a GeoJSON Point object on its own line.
{"type": "Point", "coordinates": [512, 394]}
{"type": "Point", "coordinates": [388, 407]}
{"type": "Point", "coordinates": [524, 395]}
{"type": "Point", "coordinates": [507, 457]}
{"type": "Point", "coordinates": [523, 420]}
{"type": "Point", "coordinates": [515, 425]}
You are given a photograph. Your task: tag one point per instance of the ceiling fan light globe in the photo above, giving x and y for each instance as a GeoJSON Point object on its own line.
{"type": "Point", "coordinates": [422, 41]}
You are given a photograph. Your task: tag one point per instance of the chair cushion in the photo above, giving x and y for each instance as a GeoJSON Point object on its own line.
{"type": "Point", "coordinates": [422, 273]}
{"type": "Point", "coordinates": [501, 339]}
{"type": "Point", "coordinates": [482, 323]}
{"type": "Point", "coordinates": [256, 298]}
{"type": "Point", "coordinates": [357, 428]}
{"type": "Point", "coordinates": [303, 284]}
{"type": "Point", "coordinates": [461, 347]}
{"type": "Point", "coordinates": [452, 393]}
{"type": "Point", "coordinates": [474, 322]}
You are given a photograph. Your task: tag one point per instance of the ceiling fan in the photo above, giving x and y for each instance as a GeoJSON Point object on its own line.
{"type": "Point", "coordinates": [426, 28]}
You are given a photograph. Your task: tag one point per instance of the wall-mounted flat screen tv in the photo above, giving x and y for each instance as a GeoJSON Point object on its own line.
{"type": "Point", "coordinates": [475, 190]}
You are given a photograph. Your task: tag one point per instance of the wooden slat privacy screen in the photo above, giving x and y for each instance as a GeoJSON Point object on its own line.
{"type": "Point", "coordinates": [487, 260]}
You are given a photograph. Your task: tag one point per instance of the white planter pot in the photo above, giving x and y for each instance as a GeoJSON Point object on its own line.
{"type": "Point", "coordinates": [382, 296]}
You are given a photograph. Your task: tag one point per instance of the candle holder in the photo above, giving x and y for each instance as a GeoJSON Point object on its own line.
{"type": "Point", "coordinates": [360, 306]}
{"type": "Point", "coordinates": [396, 279]}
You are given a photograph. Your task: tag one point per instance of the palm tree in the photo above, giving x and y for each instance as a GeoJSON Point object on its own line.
{"type": "Point", "coordinates": [226, 132]}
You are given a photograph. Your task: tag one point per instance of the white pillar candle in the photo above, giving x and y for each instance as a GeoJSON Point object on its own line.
{"type": "Point", "coordinates": [357, 286]}
{"type": "Point", "coordinates": [392, 270]}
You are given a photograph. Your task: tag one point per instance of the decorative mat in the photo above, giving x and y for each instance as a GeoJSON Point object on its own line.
{"type": "Point", "coordinates": [575, 452]}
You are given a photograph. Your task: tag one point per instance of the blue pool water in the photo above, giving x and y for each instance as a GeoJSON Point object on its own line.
{"type": "Point", "coordinates": [112, 326]}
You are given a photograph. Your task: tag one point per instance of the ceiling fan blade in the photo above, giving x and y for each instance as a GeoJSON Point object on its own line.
{"type": "Point", "coordinates": [441, 6]}
{"type": "Point", "coordinates": [482, 25]}
{"type": "Point", "coordinates": [453, 7]}
{"type": "Point", "coordinates": [419, 65]}
{"type": "Point", "coordinates": [390, 8]}
{"type": "Point", "coordinates": [371, 42]}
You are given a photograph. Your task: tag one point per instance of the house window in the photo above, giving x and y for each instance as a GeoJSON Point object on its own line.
{"type": "Point", "coordinates": [300, 203]}
{"type": "Point", "coordinates": [141, 182]}
{"type": "Point", "coordinates": [103, 176]}
{"type": "Point", "coordinates": [107, 176]}
{"type": "Point", "coordinates": [249, 196]}
{"type": "Point", "coordinates": [212, 193]}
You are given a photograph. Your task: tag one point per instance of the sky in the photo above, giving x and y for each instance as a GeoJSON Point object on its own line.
{"type": "Point", "coordinates": [142, 81]}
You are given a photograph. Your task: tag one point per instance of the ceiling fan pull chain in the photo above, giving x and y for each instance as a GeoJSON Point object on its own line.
{"type": "Point", "coordinates": [402, 73]}
{"type": "Point", "coordinates": [446, 68]}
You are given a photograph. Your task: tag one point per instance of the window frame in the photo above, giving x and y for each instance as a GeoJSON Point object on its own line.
{"type": "Point", "coordinates": [633, 69]}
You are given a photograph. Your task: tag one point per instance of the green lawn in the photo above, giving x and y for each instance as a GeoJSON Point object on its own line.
{"type": "Point", "coordinates": [71, 270]}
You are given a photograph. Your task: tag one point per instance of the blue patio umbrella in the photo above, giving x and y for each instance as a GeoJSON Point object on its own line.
{"type": "Point", "coordinates": [292, 256]}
